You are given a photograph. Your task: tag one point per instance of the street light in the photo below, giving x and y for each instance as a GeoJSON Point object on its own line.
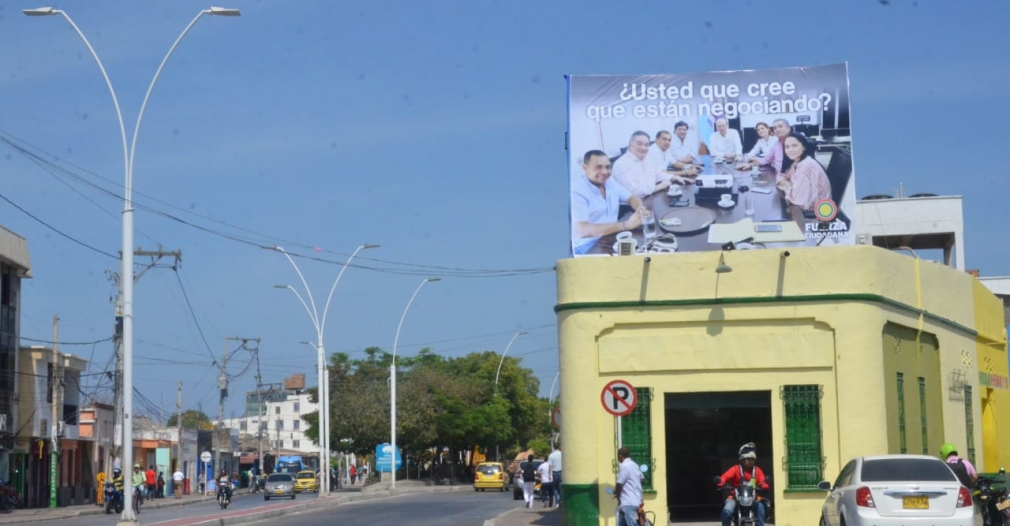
{"type": "Point", "coordinates": [126, 272]}
{"type": "Point", "coordinates": [514, 336]}
{"type": "Point", "coordinates": [323, 378]}
{"type": "Point", "coordinates": [392, 384]}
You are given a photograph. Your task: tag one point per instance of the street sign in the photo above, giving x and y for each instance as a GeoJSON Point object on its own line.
{"type": "Point", "coordinates": [383, 454]}
{"type": "Point", "coordinates": [619, 398]}
{"type": "Point", "coordinates": [205, 456]}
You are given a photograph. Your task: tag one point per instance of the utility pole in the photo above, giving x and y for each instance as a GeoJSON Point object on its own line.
{"type": "Point", "coordinates": [54, 456]}
{"type": "Point", "coordinates": [178, 458]}
{"type": "Point", "coordinates": [222, 384]}
{"type": "Point", "coordinates": [259, 416]}
{"type": "Point", "coordinates": [115, 277]}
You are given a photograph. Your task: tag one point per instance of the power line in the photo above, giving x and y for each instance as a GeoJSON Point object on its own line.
{"type": "Point", "coordinates": [196, 322]}
{"type": "Point", "coordinates": [67, 343]}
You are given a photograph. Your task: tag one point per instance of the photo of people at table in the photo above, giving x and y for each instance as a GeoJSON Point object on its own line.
{"type": "Point", "coordinates": [706, 182]}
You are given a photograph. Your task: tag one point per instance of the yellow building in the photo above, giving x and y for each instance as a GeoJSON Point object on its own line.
{"type": "Point", "coordinates": [817, 355]}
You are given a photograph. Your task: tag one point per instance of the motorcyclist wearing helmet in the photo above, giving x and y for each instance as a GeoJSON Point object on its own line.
{"type": "Point", "coordinates": [961, 467]}
{"type": "Point", "coordinates": [224, 485]}
{"type": "Point", "coordinates": [117, 479]}
{"type": "Point", "coordinates": [748, 474]}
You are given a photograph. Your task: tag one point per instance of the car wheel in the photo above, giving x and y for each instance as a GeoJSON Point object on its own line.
{"type": "Point", "coordinates": [824, 521]}
{"type": "Point", "coordinates": [293, 496]}
{"type": "Point", "coordinates": [266, 497]}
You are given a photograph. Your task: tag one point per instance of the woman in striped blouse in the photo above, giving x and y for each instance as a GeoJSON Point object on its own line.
{"type": "Point", "coordinates": [803, 180]}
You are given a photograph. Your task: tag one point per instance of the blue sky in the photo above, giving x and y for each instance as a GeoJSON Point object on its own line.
{"type": "Point", "coordinates": [433, 128]}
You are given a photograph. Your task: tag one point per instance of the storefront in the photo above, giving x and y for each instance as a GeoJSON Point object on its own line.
{"type": "Point", "coordinates": [817, 355]}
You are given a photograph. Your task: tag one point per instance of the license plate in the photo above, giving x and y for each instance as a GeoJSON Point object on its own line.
{"type": "Point", "coordinates": [1003, 505]}
{"type": "Point", "coordinates": [278, 491]}
{"type": "Point", "coordinates": [915, 503]}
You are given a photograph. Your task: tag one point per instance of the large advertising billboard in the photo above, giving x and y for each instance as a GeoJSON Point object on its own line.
{"type": "Point", "coordinates": [706, 161]}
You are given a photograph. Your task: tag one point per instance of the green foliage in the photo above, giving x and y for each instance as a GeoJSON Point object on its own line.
{"type": "Point", "coordinates": [541, 447]}
{"type": "Point", "coordinates": [192, 419]}
{"type": "Point", "coordinates": [441, 402]}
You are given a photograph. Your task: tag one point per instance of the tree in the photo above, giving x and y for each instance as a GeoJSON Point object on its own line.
{"type": "Point", "coordinates": [192, 419]}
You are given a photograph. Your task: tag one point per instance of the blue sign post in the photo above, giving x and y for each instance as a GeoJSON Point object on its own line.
{"type": "Point", "coordinates": [383, 454]}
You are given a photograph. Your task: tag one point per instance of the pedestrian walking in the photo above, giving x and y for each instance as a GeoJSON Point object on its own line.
{"type": "Point", "coordinates": [161, 485]}
{"type": "Point", "coordinates": [529, 476]}
{"type": "Point", "coordinates": [555, 461]}
{"type": "Point", "coordinates": [177, 479]}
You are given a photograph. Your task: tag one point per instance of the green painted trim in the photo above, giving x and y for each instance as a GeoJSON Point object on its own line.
{"type": "Point", "coordinates": [801, 490]}
{"type": "Point", "coordinates": [582, 504]}
{"type": "Point", "coordinates": [875, 298]}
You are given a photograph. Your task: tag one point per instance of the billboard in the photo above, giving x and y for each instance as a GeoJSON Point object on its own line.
{"type": "Point", "coordinates": [701, 161]}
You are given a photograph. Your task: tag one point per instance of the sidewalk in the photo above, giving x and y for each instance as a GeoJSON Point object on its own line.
{"type": "Point", "coordinates": [342, 496]}
{"type": "Point", "coordinates": [47, 514]}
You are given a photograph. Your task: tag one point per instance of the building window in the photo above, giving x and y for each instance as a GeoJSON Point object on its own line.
{"type": "Point", "coordinates": [636, 434]}
{"type": "Point", "coordinates": [263, 425]}
{"type": "Point", "coordinates": [901, 414]}
{"type": "Point", "coordinates": [277, 410]}
{"type": "Point", "coordinates": [280, 425]}
{"type": "Point", "coordinates": [969, 424]}
{"type": "Point", "coordinates": [242, 426]}
{"type": "Point", "coordinates": [296, 444]}
{"type": "Point", "coordinates": [298, 407]}
{"type": "Point", "coordinates": [922, 413]}
{"type": "Point", "coordinates": [804, 462]}
{"type": "Point", "coordinates": [297, 424]}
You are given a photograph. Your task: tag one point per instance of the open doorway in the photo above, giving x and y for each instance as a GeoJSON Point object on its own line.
{"type": "Point", "coordinates": [704, 432]}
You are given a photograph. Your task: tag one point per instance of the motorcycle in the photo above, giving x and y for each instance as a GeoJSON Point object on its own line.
{"type": "Point", "coordinates": [993, 501]}
{"type": "Point", "coordinates": [113, 499]}
{"type": "Point", "coordinates": [746, 496]}
{"type": "Point", "coordinates": [224, 494]}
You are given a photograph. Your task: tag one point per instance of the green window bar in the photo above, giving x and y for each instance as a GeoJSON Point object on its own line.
{"type": "Point", "coordinates": [902, 443]}
{"type": "Point", "coordinates": [804, 460]}
{"type": "Point", "coordinates": [636, 433]}
{"type": "Point", "coordinates": [969, 424]}
{"type": "Point", "coordinates": [922, 416]}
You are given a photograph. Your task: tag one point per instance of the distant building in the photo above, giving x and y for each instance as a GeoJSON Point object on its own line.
{"type": "Point", "coordinates": [279, 423]}
{"type": "Point", "coordinates": [15, 265]}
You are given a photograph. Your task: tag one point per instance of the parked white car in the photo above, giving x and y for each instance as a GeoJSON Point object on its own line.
{"type": "Point", "coordinates": [897, 490]}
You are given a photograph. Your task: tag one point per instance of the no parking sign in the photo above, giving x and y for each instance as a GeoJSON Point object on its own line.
{"type": "Point", "coordinates": [619, 398]}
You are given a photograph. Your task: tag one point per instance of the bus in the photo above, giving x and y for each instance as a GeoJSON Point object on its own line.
{"type": "Point", "coordinates": [289, 464]}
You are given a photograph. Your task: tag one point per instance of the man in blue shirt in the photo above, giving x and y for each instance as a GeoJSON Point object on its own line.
{"type": "Point", "coordinates": [595, 203]}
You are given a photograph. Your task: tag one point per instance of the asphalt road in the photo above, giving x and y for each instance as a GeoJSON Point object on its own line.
{"type": "Point", "coordinates": [150, 516]}
{"type": "Point", "coordinates": [452, 508]}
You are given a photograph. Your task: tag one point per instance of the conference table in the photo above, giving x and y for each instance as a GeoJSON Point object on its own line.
{"type": "Point", "coordinates": [728, 224]}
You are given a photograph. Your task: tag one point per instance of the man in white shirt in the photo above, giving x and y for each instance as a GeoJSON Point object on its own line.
{"type": "Point", "coordinates": [682, 149]}
{"type": "Point", "coordinates": [640, 174]}
{"type": "Point", "coordinates": [725, 142]}
{"type": "Point", "coordinates": [629, 488]}
{"type": "Point", "coordinates": [660, 150]}
{"type": "Point", "coordinates": [177, 479]}
{"type": "Point", "coordinates": [546, 484]}
{"type": "Point", "coordinates": [555, 461]}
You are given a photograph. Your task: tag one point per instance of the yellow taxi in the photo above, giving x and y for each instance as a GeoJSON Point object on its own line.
{"type": "Point", "coordinates": [490, 475]}
{"type": "Point", "coordinates": [306, 481]}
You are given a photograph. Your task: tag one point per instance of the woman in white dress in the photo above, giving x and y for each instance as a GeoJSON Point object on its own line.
{"type": "Point", "coordinates": [766, 141]}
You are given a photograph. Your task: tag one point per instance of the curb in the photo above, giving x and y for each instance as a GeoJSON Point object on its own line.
{"type": "Point", "coordinates": [92, 509]}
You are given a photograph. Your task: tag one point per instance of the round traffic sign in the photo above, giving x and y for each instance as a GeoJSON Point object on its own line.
{"type": "Point", "coordinates": [619, 398]}
{"type": "Point", "coordinates": [205, 456]}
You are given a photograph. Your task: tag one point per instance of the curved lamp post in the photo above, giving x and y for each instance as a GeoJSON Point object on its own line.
{"type": "Point", "coordinates": [126, 273]}
{"type": "Point", "coordinates": [392, 384]}
{"type": "Point", "coordinates": [319, 323]}
{"type": "Point", "coordinates": [497, 374]}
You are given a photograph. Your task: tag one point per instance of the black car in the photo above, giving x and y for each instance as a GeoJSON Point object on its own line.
{"type": "Point", "coordinates": [517, 489]}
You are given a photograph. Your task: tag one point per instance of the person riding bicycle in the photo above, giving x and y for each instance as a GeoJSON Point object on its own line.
{"type": "Point", "coordinates": [224, 485]}
{"type": "Point", "coordinates": [745, 473]}
{"type": "Point", "coordinates": [138, 481]}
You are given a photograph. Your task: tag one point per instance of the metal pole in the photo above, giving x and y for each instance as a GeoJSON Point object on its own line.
{"type": "Point", "coordinates": [222, 385]}
{"type": "Point", "coordinates": [178, 460]}
{"type": "Point", "coordinates": [500, 362]}
{"type": "Point", "coordinates": [127, 273]}
{"type": "Point", "coordinates": [54, 452]}
{"type": "Point", "coordinates": [392, 386]}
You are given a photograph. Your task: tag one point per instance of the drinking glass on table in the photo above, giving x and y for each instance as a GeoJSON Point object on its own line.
{"type": "Point", "coordinates": [648, 224]}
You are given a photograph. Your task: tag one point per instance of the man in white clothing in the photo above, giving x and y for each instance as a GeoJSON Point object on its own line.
{"type": "Point", "coordinates": [660, 150]}
{"type": "Point", "coordinates": [629, 488]}
{"type": "Point", "coordinates": [177, 479]}
{"type": "Point", "coordinates": [682, 148]}
{"type": "Point", "coordinates": [546, 484]}
{"type": "Point", "coordinates": [640, 174]}
{"type": "Point", "coordinates": [555, 460]}
{"type": "Point", "coordinates": [725, 142]}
